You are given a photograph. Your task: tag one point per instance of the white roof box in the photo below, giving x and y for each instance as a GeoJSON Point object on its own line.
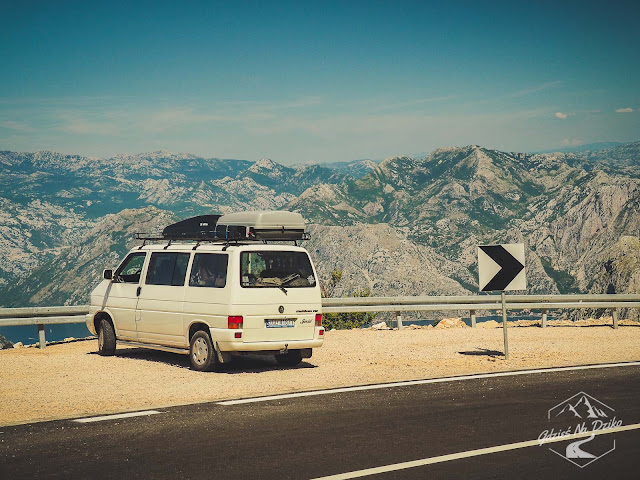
{"type": "Point", "coordinates": [264, 219]}
{"type": "Point", "coordinates": [264, 224]}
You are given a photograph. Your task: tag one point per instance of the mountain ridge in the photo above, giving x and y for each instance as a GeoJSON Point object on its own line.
{"type": "Point", "coordinates": [565, 207]}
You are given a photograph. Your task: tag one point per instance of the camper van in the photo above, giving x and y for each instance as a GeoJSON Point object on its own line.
{"type": "Point", "coordinates": [214, 287]}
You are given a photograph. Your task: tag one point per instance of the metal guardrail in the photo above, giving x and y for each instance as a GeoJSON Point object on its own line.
{"type": "Point", "coordinates": [474, 299]}
{"type": "Point", "coordinates": [475, 303]}
{"type": "Point", "coordinates": [42, 316]}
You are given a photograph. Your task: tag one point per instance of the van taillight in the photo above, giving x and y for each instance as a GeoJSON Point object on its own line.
{"type": "Point", "coordinates": [235, 322]}
{"type": "Point", "coordinates": [318, 319]}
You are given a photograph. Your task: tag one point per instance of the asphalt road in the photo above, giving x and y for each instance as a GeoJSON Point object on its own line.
{"type": "Point", "coordinates": [316, 436]}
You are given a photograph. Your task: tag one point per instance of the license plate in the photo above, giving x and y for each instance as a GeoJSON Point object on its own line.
{"type": "Point", "coordinates": [280, 322]}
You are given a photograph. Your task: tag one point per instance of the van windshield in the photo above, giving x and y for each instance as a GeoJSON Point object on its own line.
{"type": "Point", "coordinates": [276, 269]}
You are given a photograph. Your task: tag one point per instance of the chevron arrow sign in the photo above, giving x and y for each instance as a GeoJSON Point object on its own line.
{"type": "Point", "coordinates": [501, 267]}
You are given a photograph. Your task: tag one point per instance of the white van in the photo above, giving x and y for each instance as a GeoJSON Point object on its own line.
{"type": "Point", "coordinates": [208, 296]}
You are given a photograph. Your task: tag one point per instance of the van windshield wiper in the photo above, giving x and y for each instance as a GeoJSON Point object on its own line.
{"type": "Point", "coordinates": [283, 289]}
{"type": "Point", "coordinates": [290, 278]}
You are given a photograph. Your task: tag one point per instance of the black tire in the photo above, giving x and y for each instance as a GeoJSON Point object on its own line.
{"type": "Point", "coordinates": [289, 359]}
{"type": "Point", "coordinates": [202, 356]}
{"type": "Point", "coordinates": [106, 338]}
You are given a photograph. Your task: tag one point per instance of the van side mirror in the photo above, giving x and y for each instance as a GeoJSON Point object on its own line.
{"type": "Point", "coordinates": [107, 274]}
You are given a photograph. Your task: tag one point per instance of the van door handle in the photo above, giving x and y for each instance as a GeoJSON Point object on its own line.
{"type": "Point", "coordinates": [138, 291]}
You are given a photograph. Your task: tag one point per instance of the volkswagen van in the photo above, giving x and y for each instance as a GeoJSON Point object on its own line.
{"type": "Point", "coordinates": [214, 292]}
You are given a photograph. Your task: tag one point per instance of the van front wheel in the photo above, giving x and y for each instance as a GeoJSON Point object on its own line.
{"type": "Point", "coordinates": [201, 352]}
{"type": "Point", "coordinates": [289, 359]}
{"type": "Point", "coordinates": [106, 338]}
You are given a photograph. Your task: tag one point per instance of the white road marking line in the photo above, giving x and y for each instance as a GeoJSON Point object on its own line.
{"type": "Point", "coordinates": [116, 416]}
{"type": "Point", "coordinates": [470, 453]}
{"type": "Point", "coordinates": [422, 382]}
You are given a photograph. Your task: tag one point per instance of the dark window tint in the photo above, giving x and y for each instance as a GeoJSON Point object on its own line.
{"type": "Point", "coordinates": [167, 268]}
{"type": "Point", "coordinates": [276, 269]}
{"type": "Point", "coordinates": [209, 270]}
{"type": "Point", "coordinates": [129, 271]}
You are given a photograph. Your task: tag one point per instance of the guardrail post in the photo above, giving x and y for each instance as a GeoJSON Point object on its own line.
{"type": "Point", "coordinates": [614, 313]}
{"type": "Point", "coordinates": [544, 318]}
{"type": "Point", "coordinates": [504, 325]}
{"type": "Point", "coordinates": [399, 320]}
{"type": "Point", "coordinates": [472, 314]}
{"type": "Point", "coordinates": [41, 337]}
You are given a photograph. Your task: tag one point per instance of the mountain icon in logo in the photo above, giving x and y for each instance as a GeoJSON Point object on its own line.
{"type": "Point", "coordinates": [582, 408]}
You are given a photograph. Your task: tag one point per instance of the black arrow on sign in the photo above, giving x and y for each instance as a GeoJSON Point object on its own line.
{"type": "Point", "coordinates": [511, 267]}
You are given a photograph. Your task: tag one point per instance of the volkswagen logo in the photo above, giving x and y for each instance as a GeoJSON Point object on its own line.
{"type": "Point", "coordinates": [281, 309]}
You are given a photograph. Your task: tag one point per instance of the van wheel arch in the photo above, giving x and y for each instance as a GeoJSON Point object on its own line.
{"type": "Point", "coordinates": [99, 317]}
{"type": "Point", "coordinates": [195, 327]}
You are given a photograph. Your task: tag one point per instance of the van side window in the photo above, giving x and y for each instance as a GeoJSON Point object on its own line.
{"type": "Point", "coordinates": [209, 270]}
{"type": "Point", "coordinates": [129, 271]}
{"type": "Point", "coordinates": [167, 268]}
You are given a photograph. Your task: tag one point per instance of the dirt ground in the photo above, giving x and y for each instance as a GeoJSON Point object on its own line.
{"type": "Point", "coordinates": [72, 380]}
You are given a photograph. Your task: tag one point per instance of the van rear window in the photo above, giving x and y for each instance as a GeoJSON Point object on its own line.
{"type": "Point", "coordinates": [276, 269]}
{"type": "Point", "coordinates": [209, 270]}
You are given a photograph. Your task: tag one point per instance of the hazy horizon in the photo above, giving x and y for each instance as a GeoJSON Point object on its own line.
{"type": "Point", "coordinates": [568, 149]}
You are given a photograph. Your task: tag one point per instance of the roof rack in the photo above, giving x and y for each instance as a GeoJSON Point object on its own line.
{"type": "Point", "coordinates": [274, 225]}
{"type": "Point", "coordinates": [158, 237]}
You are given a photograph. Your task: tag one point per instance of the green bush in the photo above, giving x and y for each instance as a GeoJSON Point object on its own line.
{"type": "Point", "coordinates": [349, 320]}
{"type": "Point", "coordinates": [342, 321]}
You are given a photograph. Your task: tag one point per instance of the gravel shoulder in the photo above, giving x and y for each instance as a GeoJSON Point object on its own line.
{"type": "Point", "coordinates": [72, 380]}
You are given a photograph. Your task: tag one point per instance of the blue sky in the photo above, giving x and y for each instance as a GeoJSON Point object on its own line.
{"type": "Point", "coordinates": [305, 81]}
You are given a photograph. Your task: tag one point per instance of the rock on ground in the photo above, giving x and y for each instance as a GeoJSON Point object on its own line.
{"type": "Point", "coordinates": [451, 323]}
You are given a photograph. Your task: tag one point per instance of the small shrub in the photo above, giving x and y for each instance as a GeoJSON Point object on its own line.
{"type": "Point", "coordinates": [349, 320]}
{"type": "Point", "coordinates": [343, 321]}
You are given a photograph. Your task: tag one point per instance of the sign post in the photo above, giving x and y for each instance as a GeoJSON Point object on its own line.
{"type": "Point", "coordinates": [504, 326]}
{"type": "Point", "coordinates": [501, 268]}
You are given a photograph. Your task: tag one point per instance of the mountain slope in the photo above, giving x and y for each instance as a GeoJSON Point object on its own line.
{"type": "Point", "coordinates": [68, 277]}
{"type": "Point", "coordinates": [566, 214]}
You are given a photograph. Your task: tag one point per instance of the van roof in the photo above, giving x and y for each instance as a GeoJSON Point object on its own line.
{"type": "Point", "coordinates": [216, 247]}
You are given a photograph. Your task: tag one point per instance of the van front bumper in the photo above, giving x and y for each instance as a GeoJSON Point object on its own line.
{"type": "Point", "coordinates": [226, 342]}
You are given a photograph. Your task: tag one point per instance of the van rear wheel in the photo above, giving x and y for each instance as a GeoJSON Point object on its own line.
{"type": "Point", "coordinates": [289, 359]}
{"type": "Point", "coordinates": [201, 352]}
{"type": "Point", "coordinates": [106, 338]}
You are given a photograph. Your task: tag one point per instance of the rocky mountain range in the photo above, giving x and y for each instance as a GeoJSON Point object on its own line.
{"type": "Point", "coordinates": [405, 226]}
{"type": "Point", "coordinates": [50, 201]}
